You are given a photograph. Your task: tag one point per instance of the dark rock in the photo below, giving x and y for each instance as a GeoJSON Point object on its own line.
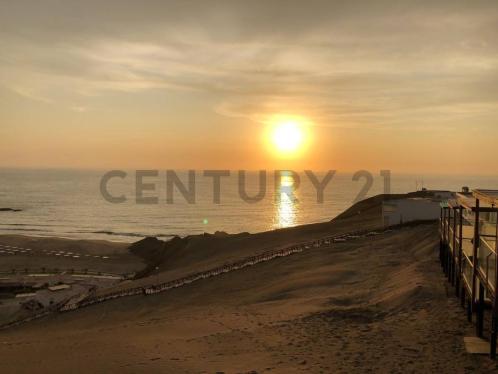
{"type": "Point", "coordinates": [32, 305]}
{"type": "Point", "coordinates": [155, 252]}
{"type": "Point", "coordinates": [220, 233]}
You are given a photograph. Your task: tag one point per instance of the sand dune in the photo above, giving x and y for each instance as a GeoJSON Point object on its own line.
{"type": "Point", "coordinates": [371, 304]}
{"type": "Point", "coordinates": [368, 305]}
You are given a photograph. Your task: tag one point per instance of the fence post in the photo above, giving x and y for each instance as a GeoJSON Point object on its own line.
{"type": "Point", "coordinates": [480, 312]}
{"type": "Point", "coordinates": [474, 254]}
{"type": "Point", "coordinates": [494, 320]}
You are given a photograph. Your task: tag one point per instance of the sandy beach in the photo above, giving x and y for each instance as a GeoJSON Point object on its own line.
{"type": "Point", "coordinates": [369, 304]}
{"type": "Point", "coordinates": [248, 187]}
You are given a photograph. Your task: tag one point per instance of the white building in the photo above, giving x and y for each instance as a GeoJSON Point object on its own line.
{"type": "Point", "coordinates": [398, 211]}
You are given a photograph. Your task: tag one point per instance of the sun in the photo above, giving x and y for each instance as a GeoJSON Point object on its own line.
{"type": "Point", "coordinates": [287, 136]}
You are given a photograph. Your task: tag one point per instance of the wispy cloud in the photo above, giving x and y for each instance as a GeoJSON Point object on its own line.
{"type": "Point", "coordinates": [30, 94]}
{"type": "Point", "coordinates": [361, 63]}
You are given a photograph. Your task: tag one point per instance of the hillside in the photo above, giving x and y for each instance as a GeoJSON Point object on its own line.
{"type": "Point", "coordinates": [371, 302]}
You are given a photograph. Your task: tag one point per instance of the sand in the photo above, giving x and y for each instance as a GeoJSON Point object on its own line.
{"type": "Point", "coordinates": [375, 304]}
{"type": "Point", "coordinates": [117, 259]}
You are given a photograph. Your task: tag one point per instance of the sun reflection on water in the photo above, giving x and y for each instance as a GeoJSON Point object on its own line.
{"type": "Point", "coordinates": [285, 202]}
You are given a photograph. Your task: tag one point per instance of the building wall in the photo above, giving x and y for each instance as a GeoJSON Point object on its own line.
{"type": "Point", "coordinates": [443, 195]}
{"type": "Point", "coordinates": [395, 212]}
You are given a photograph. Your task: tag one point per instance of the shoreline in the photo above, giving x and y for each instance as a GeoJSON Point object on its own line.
{"type": "Point", "coordinates": [361, 303]}
{"type": "Point", "coordinates": [319, 297]}
{"type": "Point", "coordinates": [369, 203]}
{"type": "Point", "coordinates": [156, 288]}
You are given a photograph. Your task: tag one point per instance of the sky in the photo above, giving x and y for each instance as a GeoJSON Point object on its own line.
{"type": "Point", "coordinates": [401, 85]}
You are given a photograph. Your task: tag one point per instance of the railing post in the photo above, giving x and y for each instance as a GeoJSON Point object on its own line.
{"type": "Point", "coordinates": [494, 318]}
{"type": "Point", "coordinates": [446, 224]}
{"type": "Point", "coordinates": [443, 235]}
{"type": "Point", "coordinates": [454, 253]}
{"type": "Point", "coordinates": [449, 249]}
{"type": "Point", "coordinates": [480, 312]}
{"type": "Point", "coordinates": [460, 240]}
{"type": "Point", "coordinates": [474, 253]}
{"type": "Point", "coordinates": [441, 218]}
{"type": "Point", "coordinates": [446, 249]}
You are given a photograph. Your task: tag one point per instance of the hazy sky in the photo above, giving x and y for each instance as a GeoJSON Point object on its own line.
{"type": "Point", "coordinates": [409, 86]}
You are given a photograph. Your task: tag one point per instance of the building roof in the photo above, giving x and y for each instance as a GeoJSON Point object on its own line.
{"type": "Point", "coordinates": [30, 294]}
{"type": "Point", "coordinates": [487, 196]}
{"type": "Point", "coordinates": [466, 200]}
{"type": "Point", "coordinates": [59, 287]}
{"type": "Point", "coordinates": [469, 200]}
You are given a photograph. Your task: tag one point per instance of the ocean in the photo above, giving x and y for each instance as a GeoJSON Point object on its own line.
{"type": "Point", "coordinates": [69, 203]}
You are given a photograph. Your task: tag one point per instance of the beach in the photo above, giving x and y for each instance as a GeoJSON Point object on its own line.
{"type": "Point", "coordinates": [248, 187]}
{"type": "Point", "coordinates": [365, 303]}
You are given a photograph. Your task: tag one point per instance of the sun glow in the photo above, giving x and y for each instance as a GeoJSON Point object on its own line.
{"type": "Point", "coordinates": [287, 136]}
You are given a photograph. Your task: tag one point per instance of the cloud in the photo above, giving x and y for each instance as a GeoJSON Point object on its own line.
{"type": "Point", "coordinates": [79, 109]}
{"type": "Point", "coordinates": [358, 63]}
{"type": "Point", "coordinates": [29, 94]}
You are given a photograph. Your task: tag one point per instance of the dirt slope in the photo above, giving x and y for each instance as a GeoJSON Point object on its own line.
{"type": "Point", "coordinates": [371, 305]}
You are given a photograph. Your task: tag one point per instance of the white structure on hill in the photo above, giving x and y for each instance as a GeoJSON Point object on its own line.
{"type": "Point", "coordinates": [398, 211]}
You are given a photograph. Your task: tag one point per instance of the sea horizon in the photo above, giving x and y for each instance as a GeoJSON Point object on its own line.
{"type": "Point", "coordinates": [67, 203]}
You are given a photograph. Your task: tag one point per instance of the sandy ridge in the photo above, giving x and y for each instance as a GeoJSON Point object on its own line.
{"type": "Point", "coordinates": [78, 302]}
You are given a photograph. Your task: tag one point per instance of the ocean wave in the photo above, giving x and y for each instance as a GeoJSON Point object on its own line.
{"type": "Point", "coordinates": [19, 229]}
{"type": "Point", "coordinates": [132, 234]}
{"type": "Point", "coordinates": [25, 224]}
